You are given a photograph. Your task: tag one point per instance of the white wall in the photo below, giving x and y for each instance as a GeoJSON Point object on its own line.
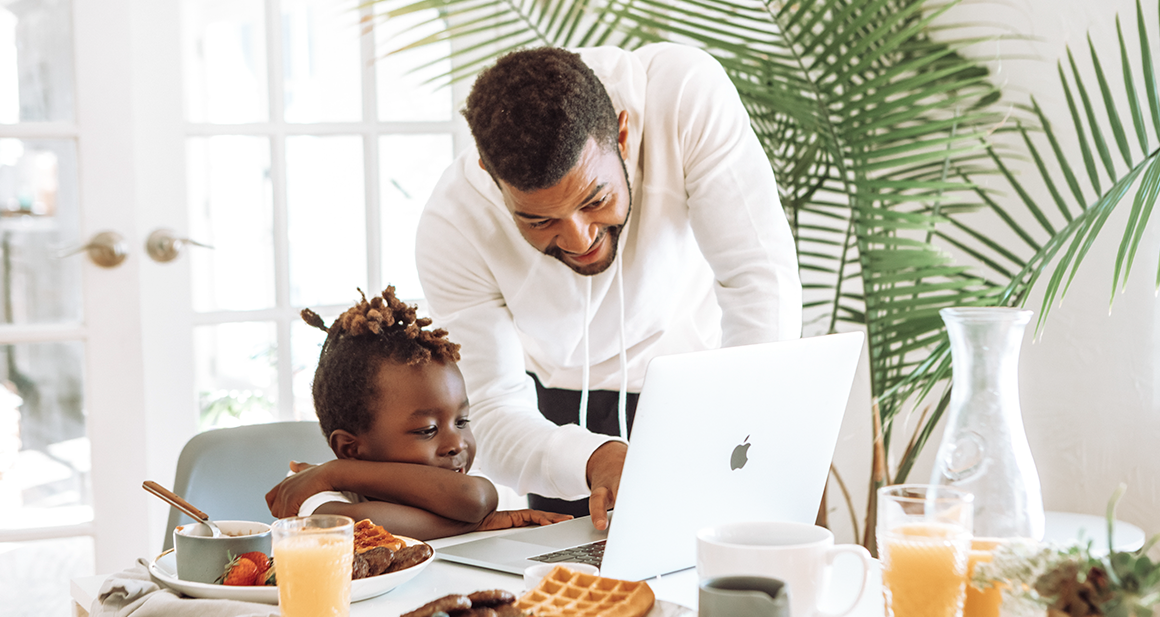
{"type": "Point", "coordinates": [1089, 386]}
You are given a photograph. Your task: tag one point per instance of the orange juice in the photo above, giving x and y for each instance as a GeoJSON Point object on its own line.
{"type": "Point", "coordinates": [314, 571]}
{"type": "Point", "coordinates": [981, 602]}
{"type": "Point", "coordinates": [924, 569]}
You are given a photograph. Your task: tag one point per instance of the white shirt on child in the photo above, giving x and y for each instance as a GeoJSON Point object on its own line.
{"type": "Point", "coordinates": [314, 501]}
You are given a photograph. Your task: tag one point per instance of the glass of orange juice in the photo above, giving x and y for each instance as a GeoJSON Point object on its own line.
{"type": "Point", "coordinates": [924, 541]}
{"type": "Point", "coordinates": [983, 602]}
{"type": "Point", "coordinates": [313, 557]}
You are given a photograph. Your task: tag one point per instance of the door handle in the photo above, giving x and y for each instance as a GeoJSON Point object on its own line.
{"type": "Point", "coordinates": [107, 249]}
{"type": "Point", "coordinates": [165, 245]}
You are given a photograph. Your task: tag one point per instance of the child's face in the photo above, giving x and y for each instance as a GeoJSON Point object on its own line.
{"type": "Point", "coordinates": [421, 417]}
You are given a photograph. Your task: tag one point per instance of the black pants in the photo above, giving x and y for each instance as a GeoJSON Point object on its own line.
{"type": "Point", "coordinates": [563, 407]}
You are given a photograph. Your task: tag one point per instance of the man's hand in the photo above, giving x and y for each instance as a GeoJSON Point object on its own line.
{"type": "Point", "coordinates": [286, 498]}
{"type": "Point", "coordinates": [604, 467]}
{"type": "Point", "coordinates": [506, 519]}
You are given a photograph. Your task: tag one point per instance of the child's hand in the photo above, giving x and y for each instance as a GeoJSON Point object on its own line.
{"type": "Point", "coordinates": [297, 466]}
{"type": "Point", "coordinates": [286, 498]}
{"type": "Point", "coordinates": [506, 519]}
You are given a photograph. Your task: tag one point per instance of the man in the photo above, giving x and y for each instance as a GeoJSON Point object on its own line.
{"type": "Point", "coordinates": [618, 207]}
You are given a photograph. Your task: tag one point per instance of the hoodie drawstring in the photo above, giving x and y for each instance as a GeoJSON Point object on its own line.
{"type": "Point", "coordinates": [587, 360]}
{"type": "Point", "coordinates": [622, 402]}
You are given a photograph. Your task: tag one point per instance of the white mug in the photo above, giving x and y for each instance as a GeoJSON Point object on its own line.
{"type": "Point", "coordinates": [796, 553]}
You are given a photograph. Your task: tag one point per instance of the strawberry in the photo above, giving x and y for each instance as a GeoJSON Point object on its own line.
{"type": "Point", "coordinates": [260, 559]}
{"type": "Point", "coordinates": [240, 571]}
{"type": "Point", "coordinates": [269, 577]}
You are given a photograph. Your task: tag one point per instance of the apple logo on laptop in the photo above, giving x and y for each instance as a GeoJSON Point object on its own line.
{"type": "Point", "coordinates": [740, 455]}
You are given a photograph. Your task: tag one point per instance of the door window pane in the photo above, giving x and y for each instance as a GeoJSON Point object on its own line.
{"type": "Point", "coordinates": [305, 345]}
{"type": "Point", "coordinates": [36, 61]}
{"type": "Point", "coordinates": [327, 220]}
{"type": "Point", "coordinates": [44, 453]}
{"type": "Point", "coordinates": [38, 218]}
{"type": "Point", "coordinates": [236, 374]}
{"type": "Point", "coordinates": [405, 90]}
{"type": "Point", "coordinates": [224, 57]}
{"type": "Point", "coordinates": [36, 574]}
{"type": "Point", "coordinates": [231, 209]}
{"type": "Point", "coordinates": [321, 63]}
{"type": "Point", "coordinates": [411, 165]}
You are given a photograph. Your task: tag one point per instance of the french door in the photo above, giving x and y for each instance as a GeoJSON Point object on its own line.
{"type": "Point", "coordinates": [75, 336]}
{"type": "Point", "coordinates": [270, 131]}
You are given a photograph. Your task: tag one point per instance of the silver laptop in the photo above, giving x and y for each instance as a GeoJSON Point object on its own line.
{"type": "Point", "coordinates": [734, 434]}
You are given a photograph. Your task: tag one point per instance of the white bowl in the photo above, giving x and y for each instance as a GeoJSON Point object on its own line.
{"type": "Point", "coordinates": [201, 557]}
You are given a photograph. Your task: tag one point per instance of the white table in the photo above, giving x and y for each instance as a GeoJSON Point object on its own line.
{"type": "Point", "coordinates": [442, 577]}
{"type": "Point", "coordinates": [1063, 527]}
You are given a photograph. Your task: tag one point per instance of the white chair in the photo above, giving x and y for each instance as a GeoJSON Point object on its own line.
{"type": "Point", "coordinates": [227, 472]}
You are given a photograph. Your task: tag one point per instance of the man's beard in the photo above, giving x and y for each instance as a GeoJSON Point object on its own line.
{"type": "Point", "coordinates": [612, 231]}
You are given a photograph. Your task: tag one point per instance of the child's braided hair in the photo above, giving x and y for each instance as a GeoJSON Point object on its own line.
{"type": "Point", "coordinates": [383, 329]}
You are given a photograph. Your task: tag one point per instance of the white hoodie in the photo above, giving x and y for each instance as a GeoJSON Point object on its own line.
{"type": "Point", "coordinates": [707, 259]}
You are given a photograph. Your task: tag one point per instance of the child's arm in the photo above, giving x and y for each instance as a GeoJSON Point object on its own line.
{"type": "Point", "coordinates": [417, 523]}
{"type": "Point", "coordinates": [399, 519]}
{"type": "Point", "coordinates": [447, 494]}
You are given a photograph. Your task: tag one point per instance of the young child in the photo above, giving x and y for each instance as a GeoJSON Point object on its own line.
{"type": "Point", "coordinates": [393, 406]}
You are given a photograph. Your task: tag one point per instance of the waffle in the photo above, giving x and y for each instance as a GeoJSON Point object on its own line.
{"type": "Point", "coordinates": [368, 535]}
{"type": "Point", "coordinates": [565, 593]}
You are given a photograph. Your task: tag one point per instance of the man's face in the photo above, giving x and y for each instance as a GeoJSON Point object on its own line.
{"type": "Point", "coordinates": [579, 219]}
{"type": "Point", "coordinates": [420, 417]}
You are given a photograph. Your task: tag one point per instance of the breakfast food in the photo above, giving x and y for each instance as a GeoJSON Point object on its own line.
{"type": "Point", "coordinates": [368, 535]}
{"type": "Point", "coordinates": [566, 593]}
{"type": "Point", "coordinates": [372, 562]}
{"type": "Point", "coordinates": [377, 552]}
{"type": "Point", "coordinates": [410, 556]}
{"type": "Point", "coordinates": [490, 603]}
{"type": "Point", "coordinates": [248, 569]}
{"type": "Point", "coordinates": [446, 604]}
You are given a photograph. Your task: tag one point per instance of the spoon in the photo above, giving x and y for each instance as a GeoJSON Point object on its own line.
{"type": "Point", "coordinates": [172, 499]}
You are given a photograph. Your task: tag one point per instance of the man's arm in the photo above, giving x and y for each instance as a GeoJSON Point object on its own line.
{"type": "Point", "coordinates": [454, 496]}
{"type": "Point", "coordinates": [603, 471]}
{"type": "Point", "coordinates": [518, 447]}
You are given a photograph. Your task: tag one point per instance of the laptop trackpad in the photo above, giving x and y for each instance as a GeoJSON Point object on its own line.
{"type": "Point", "coordinates": [510, 552]}
{"type": "Point", "coordinates": [497, 553]}
{"type": "Point", "coordinates": [495, 549]}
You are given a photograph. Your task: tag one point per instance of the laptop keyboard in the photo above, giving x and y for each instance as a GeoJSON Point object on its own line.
{"type": "Point", "coordinates": [591, 554]}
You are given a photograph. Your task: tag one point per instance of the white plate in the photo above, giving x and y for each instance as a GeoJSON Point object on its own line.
{"type": "Point", "coordinates": [164, 570]}
{"type": "Point", "coordinates": [669, 609]}
{"type": "Point", "coordinates": [662, 608]}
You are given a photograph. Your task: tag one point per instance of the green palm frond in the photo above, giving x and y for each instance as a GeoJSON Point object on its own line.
{"type": "Point", "coordinates": [487, 29]}
{"type": "Point", "coordinates": [1086, 213]}
{"type": "Point", "coordinates": [867, 122]}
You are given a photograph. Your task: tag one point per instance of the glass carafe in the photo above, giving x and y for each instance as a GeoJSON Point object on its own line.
{"type": "Point", "coordinates": [984, 447]}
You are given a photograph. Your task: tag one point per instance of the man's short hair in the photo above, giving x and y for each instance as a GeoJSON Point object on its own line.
{"type": "Point", "coordinates": [533, 112]}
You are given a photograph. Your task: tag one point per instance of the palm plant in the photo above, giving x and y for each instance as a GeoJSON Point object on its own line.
{"type": "Point", "coordinates": [887, 143]}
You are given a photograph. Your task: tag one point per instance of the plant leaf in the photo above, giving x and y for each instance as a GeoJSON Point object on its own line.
{"type": "Point", "coordinates": [1110, 108]}
{"type": "Point", "coordinates": [1130, 86]}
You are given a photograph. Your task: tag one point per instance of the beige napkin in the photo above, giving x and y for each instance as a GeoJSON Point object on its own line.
{"type": "Point", "coordinates": [133, 593]}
